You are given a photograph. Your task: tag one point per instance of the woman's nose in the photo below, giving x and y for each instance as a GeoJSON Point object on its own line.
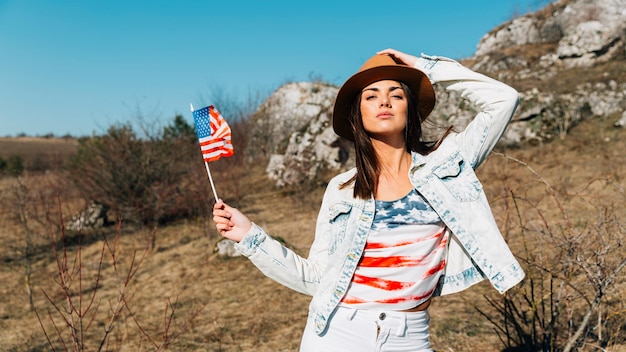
{"type": "Point", "coordinates": [385, 102]}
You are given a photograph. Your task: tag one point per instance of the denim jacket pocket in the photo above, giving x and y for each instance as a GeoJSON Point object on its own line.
{"type": "Point", "coordinates": [338, 215]}
{"type": "Point", "coordinates": [459, 178]}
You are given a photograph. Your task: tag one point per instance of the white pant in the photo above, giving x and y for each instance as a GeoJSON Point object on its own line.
{"type": "Point", "coordinates": [365, 330]}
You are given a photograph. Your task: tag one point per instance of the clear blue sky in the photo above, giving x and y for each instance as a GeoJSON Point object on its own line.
{"type": "Point", "coordinates": [78, 66]}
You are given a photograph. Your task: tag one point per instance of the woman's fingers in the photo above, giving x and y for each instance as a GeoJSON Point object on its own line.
{"type": "Point", "coordinates": [399, 56]}
{"type": "Point", "coordinates": [388, 51]}
{"type": "Point", "coordinates": [229, 221]}
{"type": "Point", "coordinates": [222, 213]}
{"type": "Point", "coordinates": [221, 217]}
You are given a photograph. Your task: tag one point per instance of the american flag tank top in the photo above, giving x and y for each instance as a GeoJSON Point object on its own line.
{"type": "Point", "coordinates": [403, 258]}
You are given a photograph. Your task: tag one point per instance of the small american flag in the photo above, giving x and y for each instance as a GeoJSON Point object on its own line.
{"type": "Point", "coordinates": [213, 134]}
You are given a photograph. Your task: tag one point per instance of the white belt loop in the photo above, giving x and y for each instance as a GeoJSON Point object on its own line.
{"type": "Point", "coordinates": [402, 326]}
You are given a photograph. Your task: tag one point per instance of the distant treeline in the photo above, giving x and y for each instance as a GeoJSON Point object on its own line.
{"type": "Point", "coordinates": [49, 135]}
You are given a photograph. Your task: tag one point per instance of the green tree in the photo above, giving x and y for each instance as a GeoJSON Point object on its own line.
{"type": "Point", "coordinates": [15, 165]}
{"type": "Point", "coordinates": [179, 129]}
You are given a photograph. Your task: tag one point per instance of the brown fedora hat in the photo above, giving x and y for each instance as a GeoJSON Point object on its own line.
{"type": "Point", "coordinates": [378, 68]}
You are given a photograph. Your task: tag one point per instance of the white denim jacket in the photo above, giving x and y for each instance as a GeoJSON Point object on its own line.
{"type": "Point", "coordinates": [444, 177]}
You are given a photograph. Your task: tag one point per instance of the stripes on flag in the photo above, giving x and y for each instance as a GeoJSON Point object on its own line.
{"type": "Point", "coordinates": [213, 134]}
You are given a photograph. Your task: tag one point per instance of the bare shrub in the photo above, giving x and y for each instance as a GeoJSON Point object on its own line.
{"type": "Point", "coordinates": [75, 307]}
{"type": "Point", "coordinates": [143, 180]}
{"type": "Point", "coordinates": [574, 263]}
{"type": "Point", "coordinates": [26, 203]}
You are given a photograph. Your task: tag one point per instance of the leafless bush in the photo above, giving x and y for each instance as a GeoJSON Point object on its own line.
{"type": "Point", "coordinates": [25, 204]}
{"type": "Point", "coordinates": [74, 309]}
{"type": "Point", "coordinates": [143, 180]}
{"type": "Point", "coordinates": [574, 266]}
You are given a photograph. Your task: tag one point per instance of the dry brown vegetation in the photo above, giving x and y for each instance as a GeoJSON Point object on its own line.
{"type": "Point", "coordinates": [184, 298]}
{"type": "Point", "coordinates": [38, 153]}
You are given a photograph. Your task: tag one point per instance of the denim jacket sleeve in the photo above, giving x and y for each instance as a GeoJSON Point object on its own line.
{"type": "Point", "coordinates": [278, 262]}
{"type": "Point", "coordinates": [495, 100]}
{"type": "Point", "coordinates": [285, 266]}
{"type": "Point", "coordinates": [477, 247]}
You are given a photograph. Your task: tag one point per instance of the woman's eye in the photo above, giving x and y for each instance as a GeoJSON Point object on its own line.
{"type": "Point", "coordinates": [398, 96]}
{"type": "Point", "coordinates": [370, 97]}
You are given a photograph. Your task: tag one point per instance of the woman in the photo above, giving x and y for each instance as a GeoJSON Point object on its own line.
{"type": "Point", "coordinates": [410, 222]}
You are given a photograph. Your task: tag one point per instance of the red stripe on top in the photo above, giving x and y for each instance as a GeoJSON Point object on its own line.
{"type": "Point", "coordinates": [391, 262]}
{"type": "Point", "coordinates": [436, 269]}
{"type": "Point", "coordinates": [389, 285]}
{"type": "Point", "coordinates": [414, 298]}
{"type": "Point", "coordinates": [391, 300]}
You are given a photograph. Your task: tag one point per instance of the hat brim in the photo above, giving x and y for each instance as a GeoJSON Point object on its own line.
{"type": "Point", "coordinates": [417, 80]}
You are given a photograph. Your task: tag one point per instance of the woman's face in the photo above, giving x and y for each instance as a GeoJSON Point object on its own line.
{"type": "Point", "coordinates": [384, 109]}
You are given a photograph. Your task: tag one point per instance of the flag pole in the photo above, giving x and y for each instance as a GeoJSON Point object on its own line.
{"type": "Point", "coordinates": [208, 171]}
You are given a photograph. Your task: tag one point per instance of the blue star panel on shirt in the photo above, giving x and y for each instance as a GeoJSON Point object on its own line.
{"type": "Point", "coordinates": [412, 209]}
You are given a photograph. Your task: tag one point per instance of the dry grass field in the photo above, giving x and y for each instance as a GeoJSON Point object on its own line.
{"type": "Point", "coordinates": [182, 297]}
{"type": "Point", "coordinates": [31, 146]}
{"type": "Point", "coordinates": [38, 153]}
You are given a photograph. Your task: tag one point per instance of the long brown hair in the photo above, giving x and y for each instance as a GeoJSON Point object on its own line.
{"type": "Point", "coordinates": [367, 164]}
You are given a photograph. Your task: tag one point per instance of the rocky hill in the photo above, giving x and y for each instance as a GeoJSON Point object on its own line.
{"type": "Point", "coordinates": [567, 60]}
